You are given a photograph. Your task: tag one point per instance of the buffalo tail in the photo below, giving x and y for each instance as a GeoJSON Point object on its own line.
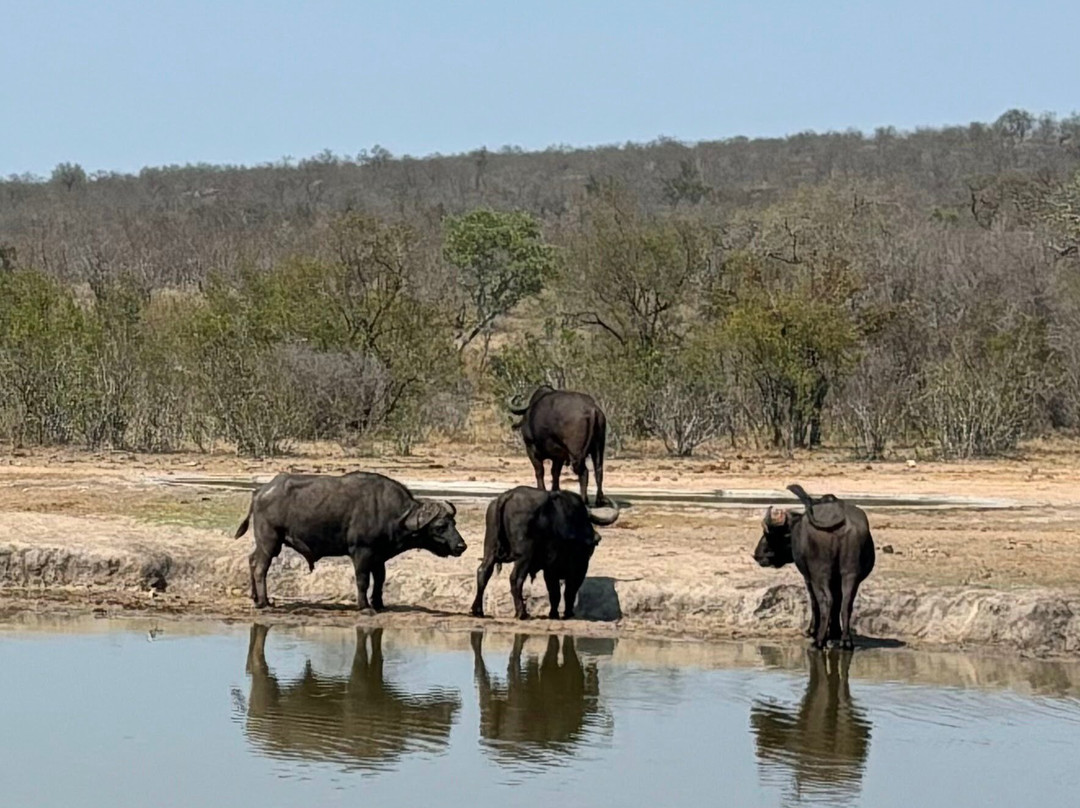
{"type": "Point", "coordinates": [804, 497]}
{"type": "Point", "coordinates": [240, 531]}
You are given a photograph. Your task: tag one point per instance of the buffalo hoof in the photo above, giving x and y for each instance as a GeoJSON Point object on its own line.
{"type": "Point", "coordinates": [522, 616]}
{"type": "Point", "coordinates": [568, 615]}
{"type": "Point", "coordinates": [264, 605]}
{"type": "Point", "coordinates": [378, 606]}
{"type": "Point", "coordinates": [810, 633]}
{"type": "Point", "coordinates": [368, 611]}
{"type": "Point", "coordinates": [847, 644]}
{"type": "Point", "coordinates": [553, 614]}
{"type": "Point", "coordinates": [477, 611]}
{"type": "Point", "coordinates": [819, 645]}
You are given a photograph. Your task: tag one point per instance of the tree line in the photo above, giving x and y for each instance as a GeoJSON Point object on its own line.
{"type": "Point", "coordinates": [872, 292]}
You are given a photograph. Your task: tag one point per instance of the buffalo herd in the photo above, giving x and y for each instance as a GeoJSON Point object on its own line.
{"type": "Point", "coordinates": [371, 518]}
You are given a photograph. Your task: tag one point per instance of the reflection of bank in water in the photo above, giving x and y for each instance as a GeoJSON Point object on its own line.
{"type": "Point", "coordinates": [545, 707]}
{"type": "Point", "coordinates": [820, 749]}
{"type": "Point", "coordinates": [361, 721]}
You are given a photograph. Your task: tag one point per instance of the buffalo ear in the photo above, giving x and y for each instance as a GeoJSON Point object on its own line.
{"type": "Point", "coordinates": [423, 513]}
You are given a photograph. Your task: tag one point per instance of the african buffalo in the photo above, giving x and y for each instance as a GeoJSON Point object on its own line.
{"type": "Point", "coordinates": [368, 517]}
{"type": "Point", "coordinates": [539, 530]}
{"type": "Point", "coordinates": [824, 745]}
{"type": "Point", "coordinates": [358, 719]}
{"type": "Point", "coordinates": [544, 708]}
{"type": "Point", "coordinates": [831, 546]}
{"type": "Point", "coordinates": [566, 428]}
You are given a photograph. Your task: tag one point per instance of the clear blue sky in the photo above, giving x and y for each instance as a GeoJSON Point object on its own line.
{"type": "Point", "coordinates": [119, 84]}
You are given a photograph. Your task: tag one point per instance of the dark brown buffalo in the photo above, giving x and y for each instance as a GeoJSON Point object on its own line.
{"type": "Point", "coordinates": [544, 708]}
{"type": "Point", "coordinates": [824, 744]}
{"type": "Point", "coordinates": [549, 531]}
{"type": "Point", "coordinates": [566, 428]}
{"type": "Point", "coordinates": [831, 546]}
{"type": "Point", "coordinates": [368, 517]}
{"type": "Point", "coordinates": [361, 720]}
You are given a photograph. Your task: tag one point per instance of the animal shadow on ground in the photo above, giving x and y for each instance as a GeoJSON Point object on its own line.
{"type": "Point", "coordinates": [862, 641]}
{"type": "Point", "coordinates": [598, 601]}
{"type": "Point", "coordinates": [304, 606]}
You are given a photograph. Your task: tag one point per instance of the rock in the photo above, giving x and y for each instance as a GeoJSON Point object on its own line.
{"type": "Point", "coordinates": [911, 464]}
{"type": "Point", "coordinates": [888, 549]}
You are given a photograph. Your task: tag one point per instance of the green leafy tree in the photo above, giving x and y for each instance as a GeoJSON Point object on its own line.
{"type": "Point", "coordinates": [793, 347]}
{"type": "Point", "coordinates": [502, 259]}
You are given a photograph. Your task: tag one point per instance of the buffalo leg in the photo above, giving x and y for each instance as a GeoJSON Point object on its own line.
{"type": "Point", "coordinates": [597, 455]}
{"type": "Point", "coordinates": [362, 564]}
{"type": "Point", "coordinates": [268, 543]}
{"type": "Point", "coordinates": [517, 585]}
{"type": "Point", "coordinates": [251, 575]}
{"type": "Point", "coordinates": [834, 615]}
{"type": "Point", "coordinates": [556, 472]}
{"type": "Point", "coordinates": [815, 611]}
{"type": "Point", "coordinates": [850, 587]}
{"type": "Point", "coordinates": [259, 563]}
{"type": "Point", "coordinates": [483, 575]}
{"type": "Point", "coordinates": [598, 467]}
{"type": "Point", "coordinates": [378, 578]}
{"type": "Point", "coordinates": [538, 466]}
{"type": "Point", "coordinates": [552, 581]}
{"type": "Point", "coordinates": [582, 472]}
{"type": "Point", "coordinates": [573, 584]}
{"type": "Point", "coordinates": [825, 607]}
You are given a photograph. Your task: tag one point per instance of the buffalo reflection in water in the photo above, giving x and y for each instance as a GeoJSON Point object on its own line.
{"type": "Point", "coordinates": [361, 721]}
{"type": "Point", "coordinates": [821, 747]}
{"type": "Point", "coordinates": [544, 708]}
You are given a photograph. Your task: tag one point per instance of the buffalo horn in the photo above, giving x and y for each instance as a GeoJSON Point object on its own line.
{"type": "Point", "coordinates": [603, 521]}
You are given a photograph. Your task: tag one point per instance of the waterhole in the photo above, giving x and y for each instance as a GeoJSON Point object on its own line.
{"type": "Point", "coordinates": [137, 713]}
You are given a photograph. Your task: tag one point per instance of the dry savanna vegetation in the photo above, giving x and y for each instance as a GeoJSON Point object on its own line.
{"type": "Point", "coordinates": [896, 291]}
{"type": "Point", "coordinates": [748, 313]}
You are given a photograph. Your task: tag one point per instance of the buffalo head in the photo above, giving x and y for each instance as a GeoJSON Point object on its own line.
{"type": "Point", "coordinates": [774, 547]}
{"type": "Point", "coordinates": [430, 525]}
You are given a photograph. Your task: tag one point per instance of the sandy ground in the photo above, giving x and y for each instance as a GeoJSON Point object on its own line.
{"type": "Point", "coordinates": [96, 533]}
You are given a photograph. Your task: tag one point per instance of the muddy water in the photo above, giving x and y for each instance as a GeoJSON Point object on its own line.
{"type": "Point", "coordinates": [201, 714]}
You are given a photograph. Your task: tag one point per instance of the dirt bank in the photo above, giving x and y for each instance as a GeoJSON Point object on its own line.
{"type": "Point", "coordinates": [82, 533]}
